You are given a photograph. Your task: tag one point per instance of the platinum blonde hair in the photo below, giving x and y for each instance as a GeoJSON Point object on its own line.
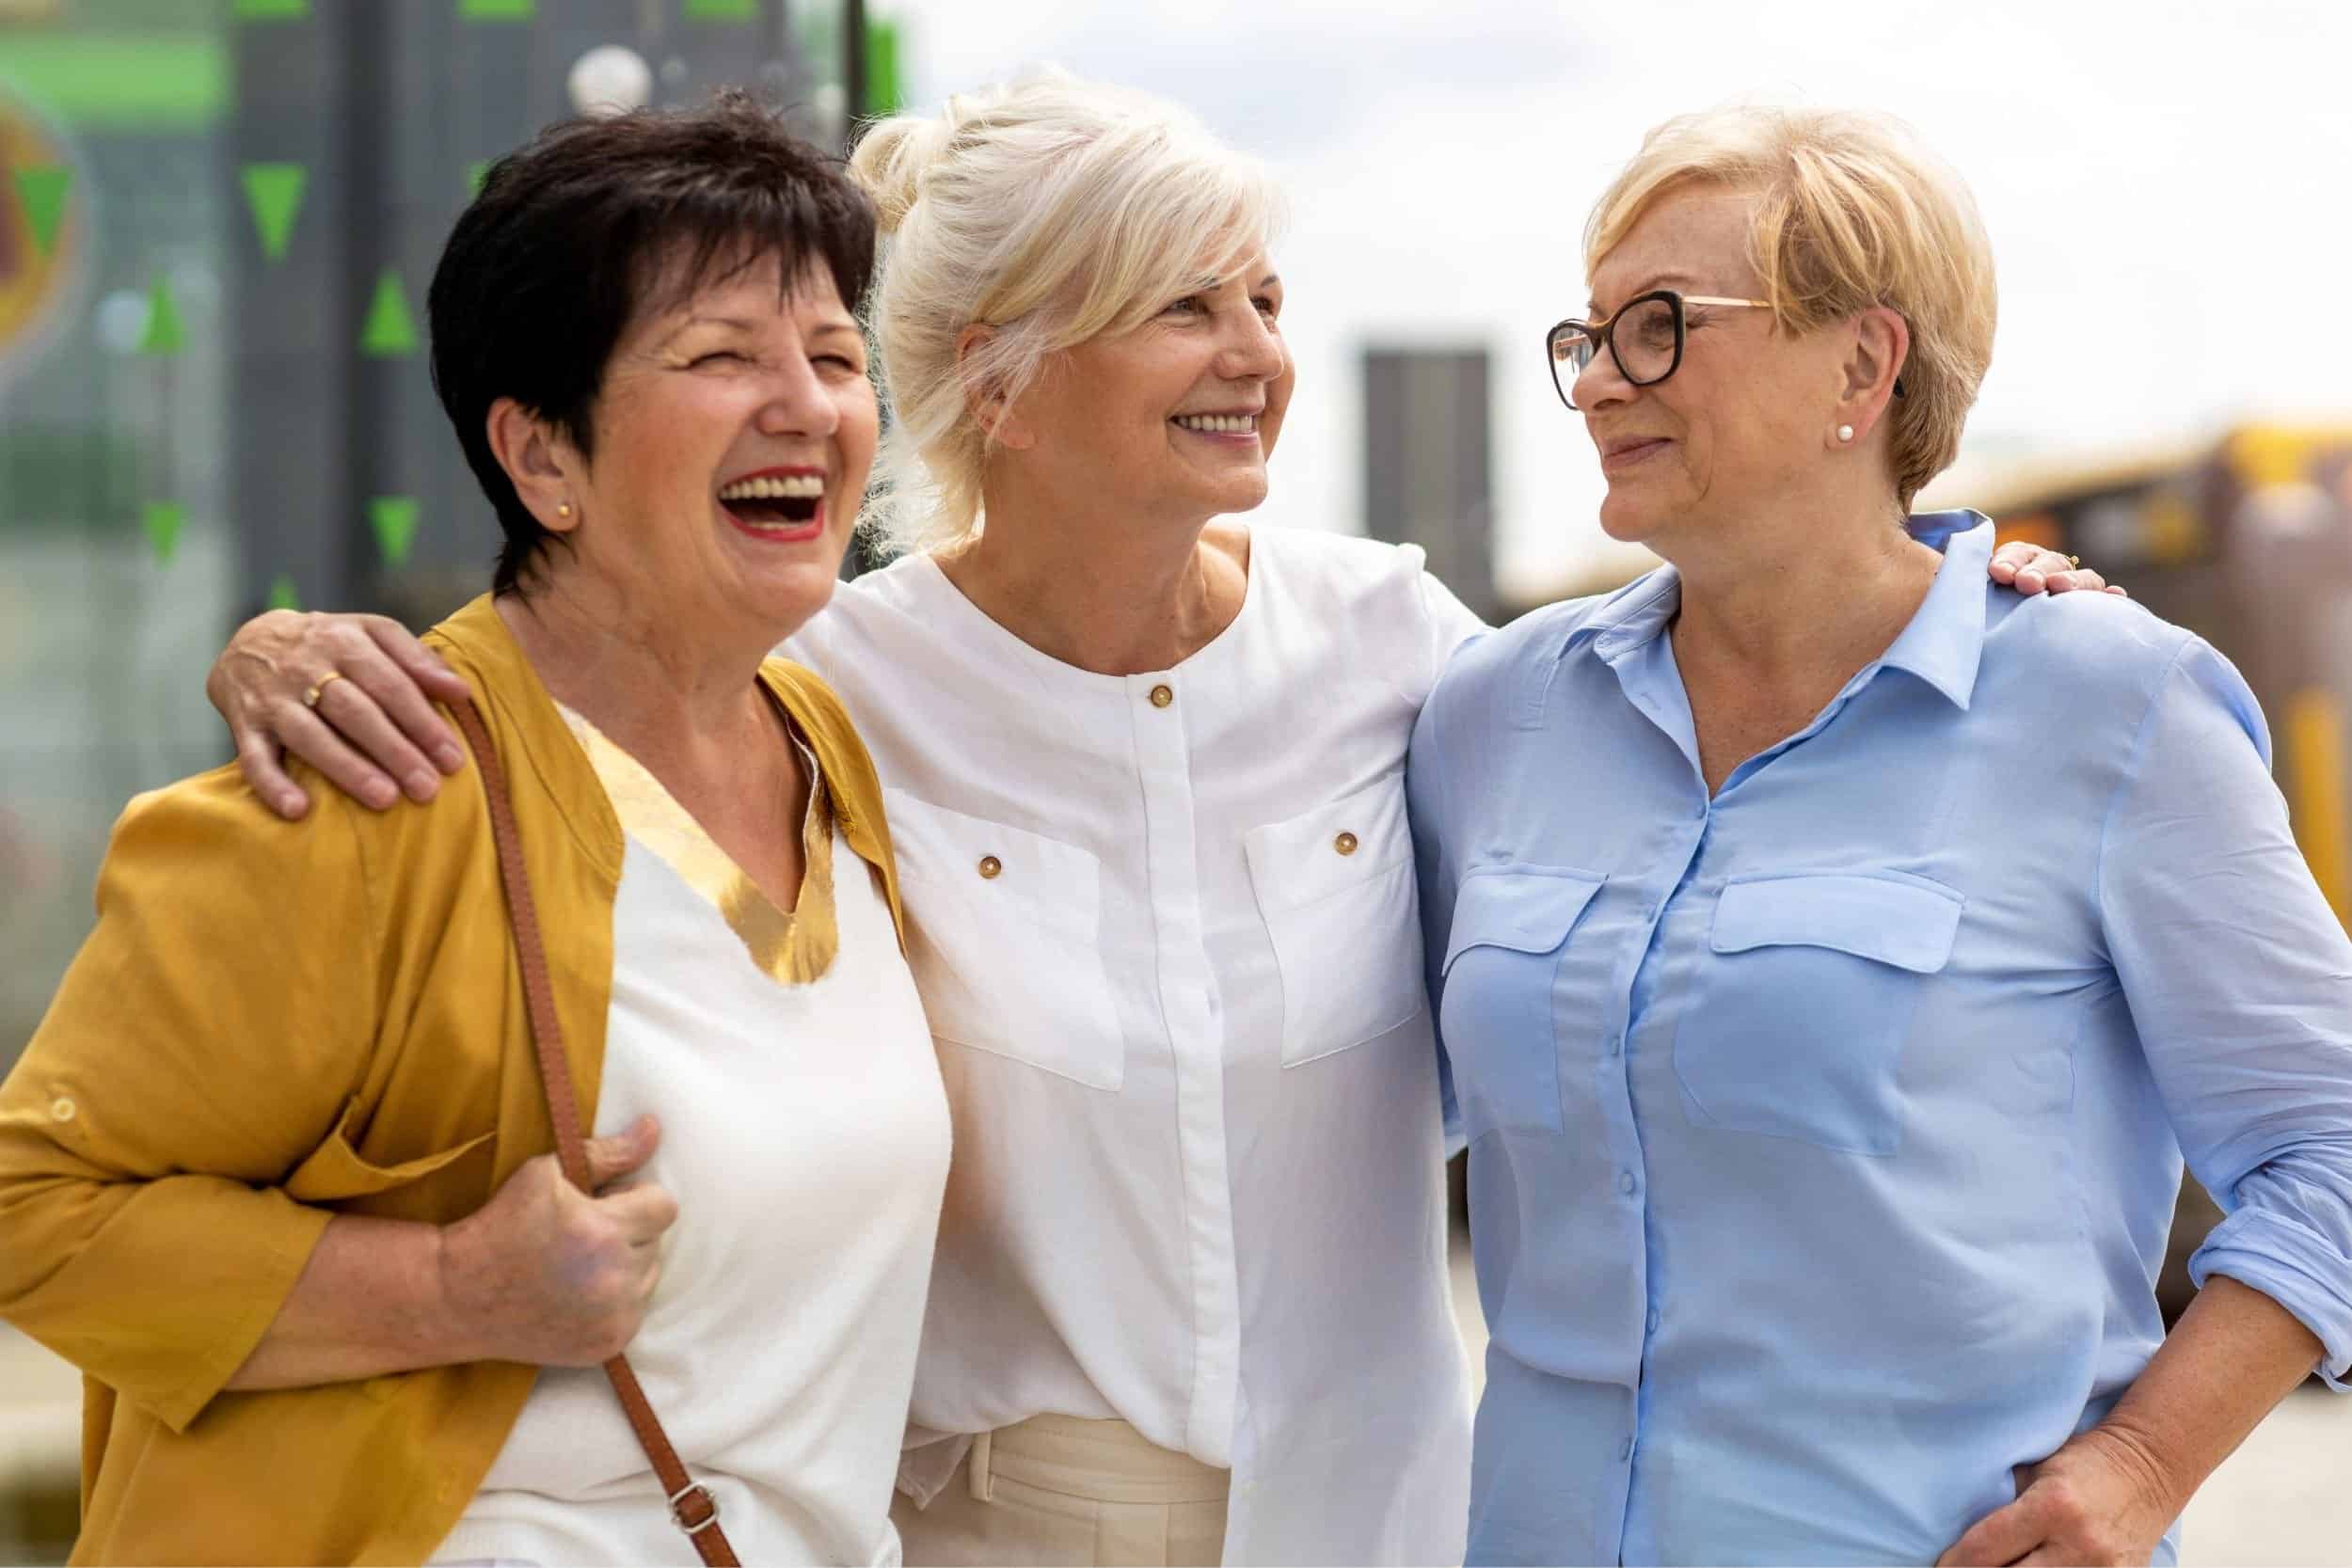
{"type": "Point", "coordinates": [1051, 211]}
{"type": "Point", "coordinates": [1851, 211]}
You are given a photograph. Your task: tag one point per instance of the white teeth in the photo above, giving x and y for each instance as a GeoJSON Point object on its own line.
{"type": "Point", "coordinates": [789, 487]}
{"type": "Point", "coordinates": [1233, 423]}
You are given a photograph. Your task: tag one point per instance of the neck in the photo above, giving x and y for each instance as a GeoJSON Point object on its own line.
{"type": "Point", "coordinates": [656, 684]}
{"type": "Point", "coordinates": [1094, 587]}
{"type": "Point", "coordinates": [1790, 596]}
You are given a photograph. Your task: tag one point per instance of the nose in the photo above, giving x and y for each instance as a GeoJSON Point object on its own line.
{"type": "Point", "coordinates": [798, 401]}
{"type": "Point", "coordinates": [1600, 385]}
{"type": "Point", "coordinates": [1253, 351]}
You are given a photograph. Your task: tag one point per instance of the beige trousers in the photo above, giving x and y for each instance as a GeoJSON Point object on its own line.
{"type": "Point", "coordinates": [1071, 1494]}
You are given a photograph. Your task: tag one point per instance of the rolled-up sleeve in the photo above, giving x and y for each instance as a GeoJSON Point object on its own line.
{"type": "Point", "coordinates": [206, 1037]}
{"type": "Point", "coordinates": [2239, 978]}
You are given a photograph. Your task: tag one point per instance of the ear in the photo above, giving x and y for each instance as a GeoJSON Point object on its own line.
{"type": "Point", "coordinates": [1873, 364]}
{"type": "Point", "coordinates": [984, 395]}
{"type": "Point", "coordinates": [1882, 345]}
{"type": "Point", "coordinates": [545, 468]}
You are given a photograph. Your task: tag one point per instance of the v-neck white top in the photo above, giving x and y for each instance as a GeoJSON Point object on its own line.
{"type": "Point", "coordinates": [806, 1139]}
{"type": "Point", "coordinates": [1164, 930]}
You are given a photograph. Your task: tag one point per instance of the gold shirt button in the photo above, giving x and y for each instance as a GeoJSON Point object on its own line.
{"type": "Point", "coordinates": [1344, 844]}
{"type": "Point", "coordinates": [1162, 696]}
{"type": "Point", "coordinates": [991, 867]}
{"type": "Point", "coordinates": [61, 1109]}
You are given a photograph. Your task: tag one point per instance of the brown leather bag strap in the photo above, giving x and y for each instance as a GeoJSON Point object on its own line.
{"type": "Point", "coordinates": [692, 1506]}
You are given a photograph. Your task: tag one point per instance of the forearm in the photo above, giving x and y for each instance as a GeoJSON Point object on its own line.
{"type": "Point", "coordinates": [373, 1300]}
{"type": "Point", "coordinates": [2233, 1355]}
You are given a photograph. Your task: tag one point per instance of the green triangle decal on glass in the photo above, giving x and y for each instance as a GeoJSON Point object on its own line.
{"type": "Point", "coordinates": [270, 10]}
{"type": "Point", "coordinates": [43, 192]}
{"type": "Point", "coordinates": [389, 332]}
{"type": "Point", "coordinates": [722, 11]}
{"type": "Point", "coordinates": [282, 594]}
{"type": "Point", "coordinates": [273, 193]}
{"type": "Point", "coordinates": [476, 172]}
{"type": "Point", "coordinates": [162, 521]}
{"type": "Point", "coordinates": [164, 334]}
{"type": "Point", "coordinates": [394, 519]}
{"type": "Point", "coordinates": [495, 10]}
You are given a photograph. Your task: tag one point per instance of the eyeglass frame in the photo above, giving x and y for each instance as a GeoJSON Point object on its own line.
{"type": "Point", "coordinates": [1603, 335]}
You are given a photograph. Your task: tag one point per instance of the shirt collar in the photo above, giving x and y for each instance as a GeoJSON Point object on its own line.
{"type": "Point", "coordinates": [1945, 642]}
{"type": "Point", "coordinates": [1942, 645]}
{"type": "Point", "coordinates": [1636, 614]}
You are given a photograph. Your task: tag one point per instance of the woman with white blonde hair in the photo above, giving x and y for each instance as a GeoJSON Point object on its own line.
{"type": "Point", "coordinates": [1826, 1113]}
{"type": "Point", "coordinates": [1144, 769]}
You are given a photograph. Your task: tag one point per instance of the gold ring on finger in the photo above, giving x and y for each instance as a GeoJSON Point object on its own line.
{"type": "Point", "coordinates": [2073, 561]}
{"type": "Point", "coordinates": [311, 693]}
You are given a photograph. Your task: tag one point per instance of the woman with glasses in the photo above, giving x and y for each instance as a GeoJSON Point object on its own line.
{"type": "Point", "coordinates": [1145, 782]}
{"type": "Point", "coordinates": [1826, 1111]}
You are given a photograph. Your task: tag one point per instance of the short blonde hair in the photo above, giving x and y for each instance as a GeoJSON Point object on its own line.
{"type": "Point", "coordinates": [1052, 211]}
{"type": "Point", "coordinates": [1852, 212]}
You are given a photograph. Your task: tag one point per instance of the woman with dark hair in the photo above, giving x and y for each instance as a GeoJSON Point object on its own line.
{"type": "Point", "coordinates": [274, 1170]}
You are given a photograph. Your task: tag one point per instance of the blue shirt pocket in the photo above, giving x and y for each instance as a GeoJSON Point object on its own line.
{"type": "Point", "coordinates": [1510, 927]}
{"type": "Point", "coordinates": [1796, 1023]}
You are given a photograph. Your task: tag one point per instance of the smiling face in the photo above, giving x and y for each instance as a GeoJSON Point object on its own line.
{"type": "Point", "coordinates": [733, 434]}
{"type": "Point", "coordinates": [1174, 420]}
{"type": "Point", "coordinates": [1736, 429]}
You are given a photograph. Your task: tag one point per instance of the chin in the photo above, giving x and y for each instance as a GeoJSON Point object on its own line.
{"type": "Point", "coordinates": [788, 594]}
{"type": "Point", "coordinates": [1627, 520]}
{"type": "Point", "coordinates": [1246, 495]}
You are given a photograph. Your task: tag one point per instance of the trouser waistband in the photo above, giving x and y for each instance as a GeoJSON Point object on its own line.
{"type": "Point", "coordinates": [1108, 1462]}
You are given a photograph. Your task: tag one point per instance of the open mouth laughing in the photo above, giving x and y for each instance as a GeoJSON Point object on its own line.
{"type": "Point", "coordinates": [781, 504]}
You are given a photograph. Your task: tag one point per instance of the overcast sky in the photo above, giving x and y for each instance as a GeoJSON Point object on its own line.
{"type": "Point", "coordinates": [2169, 188]}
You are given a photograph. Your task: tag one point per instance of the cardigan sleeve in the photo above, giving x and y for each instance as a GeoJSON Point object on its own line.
{"type": "Point", "coordinates": [207, 1037]}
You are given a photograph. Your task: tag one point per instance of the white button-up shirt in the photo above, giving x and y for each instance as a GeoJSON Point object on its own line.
{"type": "Point", "coordinates": [1165, 928]}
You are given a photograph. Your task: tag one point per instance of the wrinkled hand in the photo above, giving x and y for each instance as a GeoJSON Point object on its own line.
{"type": "Point", "coordinates": [2102, 1498]}
{"type": "Point", "coordinates": [2030, 570]}
{"type": "Point", "coordinates": [546, 1274]}
{"type": "Point", "coordinates": [373, 726]}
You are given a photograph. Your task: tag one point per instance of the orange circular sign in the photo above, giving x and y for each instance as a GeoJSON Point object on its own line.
{"type": "Point", "coordinates": [40, 228]}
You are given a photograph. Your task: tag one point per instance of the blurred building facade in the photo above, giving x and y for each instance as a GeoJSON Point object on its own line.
{"type": "Point", "coordinates": [218, 221]}
{"type": "Point", "coordinates": [1429, 462]}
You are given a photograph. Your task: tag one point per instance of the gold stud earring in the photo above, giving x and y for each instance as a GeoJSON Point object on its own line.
{"type": "Point", "coordinates": [564, 509]}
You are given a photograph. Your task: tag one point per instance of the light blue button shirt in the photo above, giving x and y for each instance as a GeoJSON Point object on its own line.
{"type": "Point", "coordinates": [1824, 1134]}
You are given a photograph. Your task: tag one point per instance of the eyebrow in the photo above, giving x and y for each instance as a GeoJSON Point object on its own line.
{"type": "Point", "coordinates": [734, 323]}
{"type": "Point", "coordinates": [739, 324]}
{"type": "Point", "coordinates": [1271, 280]}
{"type": "Point", "coordinates": [1649, 285]}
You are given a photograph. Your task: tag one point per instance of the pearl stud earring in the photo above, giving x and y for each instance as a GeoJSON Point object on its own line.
{"type": "Point", "coordinates": [1845, 433]}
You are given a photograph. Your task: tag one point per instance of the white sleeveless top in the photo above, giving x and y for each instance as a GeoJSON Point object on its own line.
{"type": "Point", "coordinates": [805, 1136]}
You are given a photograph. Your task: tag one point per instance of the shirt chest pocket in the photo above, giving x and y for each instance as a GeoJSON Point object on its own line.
{"type": "Point", "coordinates": [1500, 1018]}
{"type": "Point", "coordinates": [1335, 889]}
{"type": "Point", "coordinates": [1005, 939]}
{"type": "Point", "coordinates": [1796, 1023]}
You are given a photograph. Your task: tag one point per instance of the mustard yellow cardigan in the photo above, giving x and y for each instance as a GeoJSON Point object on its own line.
{"type": "Point", "coordinates": [273, 1022]}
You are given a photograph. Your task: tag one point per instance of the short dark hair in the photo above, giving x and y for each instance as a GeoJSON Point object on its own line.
{"type": "Point", "coordinates": [573, 231]}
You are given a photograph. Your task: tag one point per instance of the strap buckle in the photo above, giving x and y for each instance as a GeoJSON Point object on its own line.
{"type": "Point", "coordinates": [677, 1508]}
